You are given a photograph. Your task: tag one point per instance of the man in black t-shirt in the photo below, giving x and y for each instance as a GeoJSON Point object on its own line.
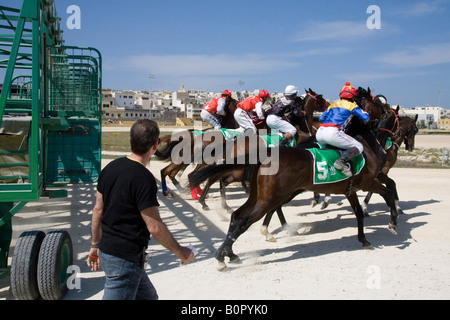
{"type": "Point", "coordinates": [125, 214]}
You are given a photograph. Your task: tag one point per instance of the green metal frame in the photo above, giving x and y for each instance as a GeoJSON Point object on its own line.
{"type": "Point", "coordinates": [56, 88]}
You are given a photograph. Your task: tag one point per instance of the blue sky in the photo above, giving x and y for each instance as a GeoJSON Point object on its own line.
{"type": "Point", "coordinates": [212, 45]}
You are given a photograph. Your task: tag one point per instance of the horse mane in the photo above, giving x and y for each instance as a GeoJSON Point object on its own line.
{"type": "Point", "coordinates": [357, 127]}
{"type": "Point", "coordinates": [228, 120]}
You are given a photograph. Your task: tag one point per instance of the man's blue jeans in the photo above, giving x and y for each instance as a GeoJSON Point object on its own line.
{"type": "Point", "coordinates": [125, 280]}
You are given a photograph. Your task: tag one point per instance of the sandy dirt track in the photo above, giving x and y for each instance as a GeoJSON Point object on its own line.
{"type": "Point", "coordinates": [324, 261]}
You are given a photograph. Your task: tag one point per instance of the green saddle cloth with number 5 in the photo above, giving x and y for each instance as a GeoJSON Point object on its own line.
{"type": "Point", "coordinates": [324, 170]}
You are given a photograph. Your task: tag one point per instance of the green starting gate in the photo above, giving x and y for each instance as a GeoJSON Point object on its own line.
{"type": "Point", "coordinates": [50, 136]}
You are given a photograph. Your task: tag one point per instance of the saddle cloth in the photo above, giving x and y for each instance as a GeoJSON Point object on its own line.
{"type": "Point", "coordinates": [324, 170]}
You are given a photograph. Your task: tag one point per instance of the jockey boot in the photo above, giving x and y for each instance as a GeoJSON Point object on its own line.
{"type": "Point", "coordinates": [285, 141]}
{"type": "Point", "coordinates": [342, 163]}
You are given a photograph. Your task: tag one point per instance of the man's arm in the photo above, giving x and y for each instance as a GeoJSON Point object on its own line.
{"type": "Point", "coordinates": [161, 233]}
{"type": "Point", "coordinates": [96, 232]}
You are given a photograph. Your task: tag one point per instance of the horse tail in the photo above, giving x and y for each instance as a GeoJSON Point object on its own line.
{"type": "Point", "coordinates": [213, 172]}
{"type": "Point", "coordinates": [164, 152]}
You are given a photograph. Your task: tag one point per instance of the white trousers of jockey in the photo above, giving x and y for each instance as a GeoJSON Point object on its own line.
{"type": "Point", "coordinates": [250, 105]}
{"type": "Point", "coordinates": [244, 120]}
{"type": "Point", "coordinates": [277, 123]}
{"type": "Point", "coordinates": [337, 138]}
{"type": "Point", "coordinates": [210, 119]}
{"type": "Point", "coordinates": [283, 105]}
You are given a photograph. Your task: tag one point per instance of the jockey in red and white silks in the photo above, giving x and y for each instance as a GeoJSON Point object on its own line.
{"type": "Point", "coordinates": [215, 107]}
{"type": "Point", "coordinates": [246, 109]}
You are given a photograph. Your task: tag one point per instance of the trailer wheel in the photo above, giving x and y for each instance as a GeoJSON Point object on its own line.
{"type": "Point", "coordinates": [24, 264]}
{"type": "Point", "coordinates": [55, 257]}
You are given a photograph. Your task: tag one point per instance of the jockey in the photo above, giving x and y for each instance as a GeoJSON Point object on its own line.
{"type": "Point", "coordinates": [215, 107]}
{"type": "Point", "coordinates": [284, 105]}
{"type": "Point", "coordinates": [246, 109]}
{"type": "Point", "coordinates": [334, 120]}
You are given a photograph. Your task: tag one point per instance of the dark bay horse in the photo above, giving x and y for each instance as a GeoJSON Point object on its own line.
{"type": "Point", "coordinates": [313, 102]}
{"type": "Point", "coordinates": [268, 192]}
{"type": "Point", "coordinates": [406, 133]}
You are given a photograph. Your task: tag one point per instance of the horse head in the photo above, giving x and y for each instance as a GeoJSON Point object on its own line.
{"type": "Point", "coordinates": [411, 131]}
{"type": "Point", "coordinates": [388, 126]}
{"type": "Point", "coordinates": [314, 102]}
{"type": "Point", "coordinates": [228, 120]}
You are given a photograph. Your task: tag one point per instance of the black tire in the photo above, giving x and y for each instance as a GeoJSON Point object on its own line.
{"type": "Point", "coordinates": [24, 264]}
{"type": "Point", "coordinates": [55, 257]}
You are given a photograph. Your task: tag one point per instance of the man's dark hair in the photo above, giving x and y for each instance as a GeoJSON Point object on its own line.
{"type": "Point", "coordinates": [143, 134]}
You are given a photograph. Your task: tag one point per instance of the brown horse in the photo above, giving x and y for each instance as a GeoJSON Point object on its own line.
{"type": "Point", "coordinates": [268, 192]}
{"type": "Point", "coordinates": [406, 133]}
{"type": "Point", "coordinates": [313, 103]}
{"type": "Point", "coordinates": [311, 143]}
{"type": "Point", "coordinates": [175, 167]}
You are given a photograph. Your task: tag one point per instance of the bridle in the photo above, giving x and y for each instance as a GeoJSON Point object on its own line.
{"type": "Point", "coordinates": [396, 124]}
{"type": "Point", "coordinates": [315, 98]}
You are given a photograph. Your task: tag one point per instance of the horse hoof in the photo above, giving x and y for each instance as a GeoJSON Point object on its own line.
{"type": "Point", "coordinates": [393, 229]}
{"type": "Point", "coordinates": [205, 207]}
{"type": "Point", "coordinates": [235, 259]}
{"type": "Point", "coordinates": [367, 246]}
{"type": "Point", "coordinates": [227, 209]}
{"type": "Point", "coordinates": [324, 205]}
{"type": "Point", "coordinates": [313, 203]}
{"type": "Point", "coordinates": [222, 267]}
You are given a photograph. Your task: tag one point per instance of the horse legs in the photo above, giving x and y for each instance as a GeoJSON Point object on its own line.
{"type": "Point", "coordinates": [196, 189]}
{"type": "Point", "coordinates": [390, 184]}
{"type": "Point", "coordinates": [354, 202]}
{"type": "Point", "coordinates": [241, 220]}
{"type": "Point", "coordinates": [171, 170]}
{"type": "Point", "coordinates": [366, 204]}
{"type": "Point", "coordinates": [316, 199]}
{"type": "Point", "coordinates": [223, 196]}
{"type": "Point", "coordinates": [326, 201]}
{"type": "Point", "coordinates": [284, 225]}
{"type": "Point", "coordinates": [204, 193]}
{"type": "Point", "coordinates": [265, 227]}
{"type": "Point", "coordinates": [389, 194]}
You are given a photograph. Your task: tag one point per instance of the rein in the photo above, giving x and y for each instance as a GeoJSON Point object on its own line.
{"type": "Point", "coordinates": [396, 123]}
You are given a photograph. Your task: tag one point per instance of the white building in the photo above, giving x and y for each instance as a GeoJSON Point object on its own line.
{"type": "Point", "coordinates": [428, 115]}
{"type": "Point", "coordinates": [125, 99]}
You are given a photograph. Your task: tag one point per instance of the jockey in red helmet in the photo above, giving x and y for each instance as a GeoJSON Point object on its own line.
{"type": "Point", "coordinates": [246, 109]}
{"type": "Point", "coordinates": [215, 107]}
{"type": "Point", "coordinates": [334, 120]}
